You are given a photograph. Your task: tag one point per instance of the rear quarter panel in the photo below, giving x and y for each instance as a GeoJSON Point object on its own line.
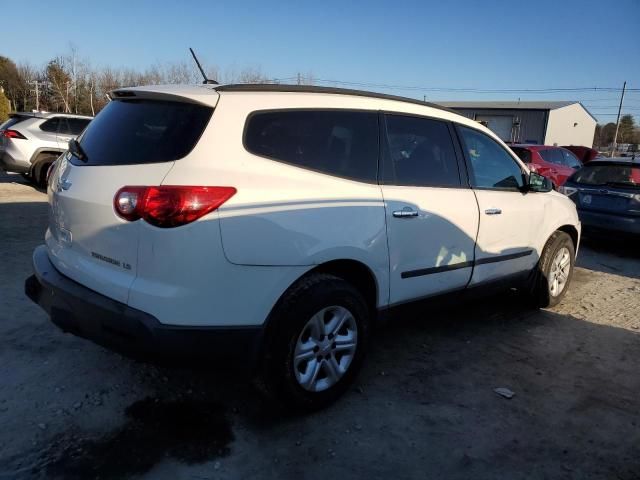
{"type": "Point", "coordinates": [283, 215]}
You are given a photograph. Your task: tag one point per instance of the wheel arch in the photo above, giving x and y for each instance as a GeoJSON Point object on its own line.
{"type": "Point", "coordinates": [355, 272]}
{"type": "Point", "coordinates": [44, 150]}
{"type": "Point", "coordinates": [572, 231]}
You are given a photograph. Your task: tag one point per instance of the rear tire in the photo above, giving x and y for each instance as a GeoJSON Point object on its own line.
{"type": "Point", "coordinates": [554, 271]}
{"type": "Point", "coordinates": [40, 169]}
{"type": "Point", "coordinates": [318, 342]}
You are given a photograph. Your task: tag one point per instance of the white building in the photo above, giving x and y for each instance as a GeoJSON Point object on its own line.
{"type": "Point", "coordinates": [545, 123]}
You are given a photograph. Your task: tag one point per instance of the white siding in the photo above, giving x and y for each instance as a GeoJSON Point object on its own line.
{"type": "Point", "coordinates": [570, 125]}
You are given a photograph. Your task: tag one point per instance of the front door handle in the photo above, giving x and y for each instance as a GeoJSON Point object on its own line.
{"type": "Point", "coordinates": [493, 211]}
{"type": "Point", "coordinates": [406, 212]}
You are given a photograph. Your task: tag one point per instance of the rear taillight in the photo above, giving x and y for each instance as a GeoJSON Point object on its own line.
{"type": "Point", "coordinates": [12, 134]}
{"type": "Point", "coordinates": [169, 205]}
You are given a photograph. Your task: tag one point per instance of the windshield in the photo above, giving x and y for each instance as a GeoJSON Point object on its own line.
{"type": "Point", "coordinates": [616, 175]}
{"type": "Point", "coordinates": [128, 132]}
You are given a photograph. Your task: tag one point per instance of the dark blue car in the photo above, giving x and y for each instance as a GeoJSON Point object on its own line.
{"type": "Point", "coordinates": [607, 195]}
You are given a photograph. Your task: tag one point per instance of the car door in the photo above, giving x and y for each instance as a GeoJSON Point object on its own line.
{"type": "Point", "coordinates": [431, 213]}
{"type": "Point", "coordinates": [509, 217]}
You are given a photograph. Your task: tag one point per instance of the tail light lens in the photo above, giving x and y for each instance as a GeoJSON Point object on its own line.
{"type": "Point", "coordinates": [12, 134]}
{"type": "Point", "coordinates": [169, 205]}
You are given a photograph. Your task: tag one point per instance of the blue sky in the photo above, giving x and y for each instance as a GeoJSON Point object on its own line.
{"type": "Point", "coordinates": [455, 44]}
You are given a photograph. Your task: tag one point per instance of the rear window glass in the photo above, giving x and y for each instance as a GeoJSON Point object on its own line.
{"type": "Point", "coordinates": [613, 175]}
{"type": "Point", "coordinates": [11, 122]}
{"type": "Point", "coordinates": [522, 153]}
{"type": "Point", "coordinates": [337, 142]}
{"type": "Point", "coordinates": [130, 132]}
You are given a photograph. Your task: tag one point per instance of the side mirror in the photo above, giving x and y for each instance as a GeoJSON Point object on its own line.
{"type": "Point", "coordinates": [538, 183]}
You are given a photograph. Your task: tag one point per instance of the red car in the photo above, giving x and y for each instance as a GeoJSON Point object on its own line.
{"type": "Point", "coordinates": [585, 154]}
{"type": "Point", "coordinates": [555, 163]}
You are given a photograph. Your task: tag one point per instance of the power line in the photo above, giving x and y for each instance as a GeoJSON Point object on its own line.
{"type": "Point", "coordinates": [475, 90]}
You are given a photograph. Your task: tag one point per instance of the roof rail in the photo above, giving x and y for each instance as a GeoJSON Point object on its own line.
{"type": "Point", "coordinates": [277, 87]}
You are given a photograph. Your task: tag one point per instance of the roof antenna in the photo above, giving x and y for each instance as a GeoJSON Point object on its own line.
{"type": "Point", "coordinates": [204, 75]}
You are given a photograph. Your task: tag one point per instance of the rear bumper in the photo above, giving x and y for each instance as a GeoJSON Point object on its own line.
{"type": "Point", "coordinates": [114, 325]}
{"type": "Point", "coordinates": [609, 222]}
{"type": "Point", "coordinates": [10, 164]}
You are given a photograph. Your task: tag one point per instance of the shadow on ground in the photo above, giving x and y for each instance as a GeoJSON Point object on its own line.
{"type": "Point", "coordinates": [613, 253]}
{"type": "Point", "coordinates": [424, 406]}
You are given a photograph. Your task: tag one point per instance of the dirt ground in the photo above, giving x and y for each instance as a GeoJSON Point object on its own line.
{"type": "Point", "coordinates": [423, 407]}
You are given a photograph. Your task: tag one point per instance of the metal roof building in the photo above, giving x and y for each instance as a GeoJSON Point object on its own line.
{"type": "Point", "coordinates": [538, 122]}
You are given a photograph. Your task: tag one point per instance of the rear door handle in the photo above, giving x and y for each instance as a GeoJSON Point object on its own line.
{"type": "Point", "coordinates": [493, 211]}
{"type": "Point", "coordinates": [406, 212]}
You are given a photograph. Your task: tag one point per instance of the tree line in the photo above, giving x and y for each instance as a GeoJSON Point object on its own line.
{"type": "Point", "coordinates": [628, 132]}
{"type": "Point", "coordinates": [68, 83]}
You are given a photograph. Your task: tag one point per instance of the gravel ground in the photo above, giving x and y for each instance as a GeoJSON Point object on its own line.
{"type": "Point", "coordinates": [424, 405]}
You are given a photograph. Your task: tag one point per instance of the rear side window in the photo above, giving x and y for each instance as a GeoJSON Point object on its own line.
{"type": "Point", "coordinates": [522, 153]}
{"type": "Point", "coordinates": [491, 165]}
{"type": "Point", "coordinates": [337, 142]}
{"type": "Point", "coordinates": [51, 125]}
{"type": "Point", "coordinates": [420, 152]}
{"type": "Point", "coordinates": [128, 132]}
{"type": "Point", "coordinates": [552, 155]}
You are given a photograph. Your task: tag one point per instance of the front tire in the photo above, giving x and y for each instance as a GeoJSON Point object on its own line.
{"type": "Point", "coordinates": [319, 339]}
{"type": "Point", "coordinates": [554, 270]}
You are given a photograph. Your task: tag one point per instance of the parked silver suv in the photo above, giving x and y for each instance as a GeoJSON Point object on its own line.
{"type": "Point", "coordinates": [30, 142]}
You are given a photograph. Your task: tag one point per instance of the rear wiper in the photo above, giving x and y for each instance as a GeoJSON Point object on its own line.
{"type": "Point", "coordinates": [77, 151]}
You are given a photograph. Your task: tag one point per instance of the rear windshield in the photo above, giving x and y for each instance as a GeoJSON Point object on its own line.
{"type": "Point", "coordinates": [12, 121]}
{"type": "Point", "coordinates": [612, 175]}
{"type": "Point", "coordinates": [523, 153]}
{"type": "Point", "coordinates": [130, 132]}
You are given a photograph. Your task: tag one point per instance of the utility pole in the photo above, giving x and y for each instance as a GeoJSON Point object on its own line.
{"type": "Point", "coordinates": [615, 137]}
{"type": "Point", "coordinates": [299, 82]}
{"type": "Point", "coordinates": [37, 85]}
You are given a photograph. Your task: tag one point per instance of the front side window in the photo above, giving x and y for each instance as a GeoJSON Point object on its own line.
{"type": "Point", "coordinates": [420, 152]}
{"type": "Point", "coordinates": [491, 165]}
{"type": "Point", "coordinates": [63, 128]}
{"type": "Point", "coordinates": [570, 160]}
{"type": "Point", "coordinates": [343, 143]}
{"type": "Point", "coordinates": [552, 155]}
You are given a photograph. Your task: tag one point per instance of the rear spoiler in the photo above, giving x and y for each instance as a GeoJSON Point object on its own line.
{"type": "Point", "coordinates": [27, 114]}
{"type": "Point", "coordinates": [199, 95]}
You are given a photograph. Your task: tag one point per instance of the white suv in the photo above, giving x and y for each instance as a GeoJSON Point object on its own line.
{"type": "Point", "coordinates": [30, 142]}
{"type": "Point", "coordinates": [269, 225]}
